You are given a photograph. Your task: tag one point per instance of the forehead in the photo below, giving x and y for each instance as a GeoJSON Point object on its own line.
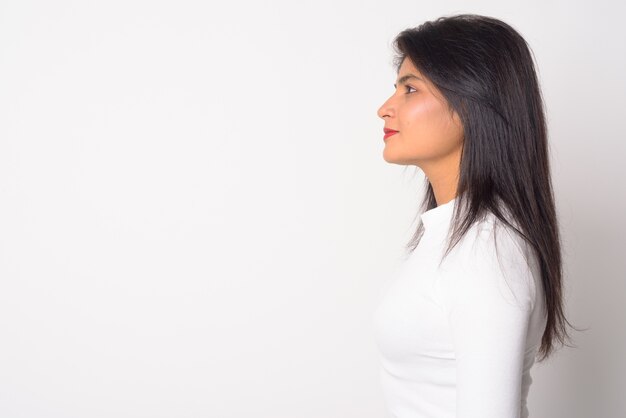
{"type": "Point", "coordinates": [408, 73]}
{"type": "Point", "coordinates": [408, 67]}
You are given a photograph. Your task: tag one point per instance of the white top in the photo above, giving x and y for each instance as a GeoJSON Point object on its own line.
{"type": "Point", "coordinates": [459, 340]}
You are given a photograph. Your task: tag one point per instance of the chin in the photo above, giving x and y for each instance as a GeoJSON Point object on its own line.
{"type": "Point", "coordinates": [388, 159]}
{"type": "Point", "coordinates": [394, 159]}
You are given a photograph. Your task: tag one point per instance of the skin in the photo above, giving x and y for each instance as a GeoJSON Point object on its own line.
{"type": "Point", "coordinates": [430, 135]}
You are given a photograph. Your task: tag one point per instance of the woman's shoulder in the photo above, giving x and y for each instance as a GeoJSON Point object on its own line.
{"type": "Point", "coordinates": [492, 240]}
{"type": "Point", "coordinates": [488, 231]}
{"type": "Point", "coordinates": [491, 255]}
{"type": "Point", "coordinates": [501, 236]}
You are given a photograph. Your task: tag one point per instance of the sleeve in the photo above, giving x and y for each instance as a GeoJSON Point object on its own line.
{"type": "Point", "coordinates": [490, 299]}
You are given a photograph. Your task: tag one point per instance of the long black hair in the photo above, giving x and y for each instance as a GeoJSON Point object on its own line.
{"type": "Point", "coordinates": [484, 69]}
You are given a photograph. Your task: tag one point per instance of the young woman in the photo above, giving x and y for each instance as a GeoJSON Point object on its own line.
{"type": "Point", "coordinates": [480, 293]}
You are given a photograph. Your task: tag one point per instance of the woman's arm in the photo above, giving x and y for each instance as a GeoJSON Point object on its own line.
{"type": "Point", "coordinates": [491, 297]}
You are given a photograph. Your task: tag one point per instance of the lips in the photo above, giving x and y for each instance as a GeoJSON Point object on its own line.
{"type": "Point", "coordinates": [388, 132]}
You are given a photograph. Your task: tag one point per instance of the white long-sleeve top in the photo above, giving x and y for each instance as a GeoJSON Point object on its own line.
{"type": "Point", "coordinates": [459, 340]}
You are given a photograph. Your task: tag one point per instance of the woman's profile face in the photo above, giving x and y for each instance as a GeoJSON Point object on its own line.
{"type": "Point", "coordinates": [428, 133]}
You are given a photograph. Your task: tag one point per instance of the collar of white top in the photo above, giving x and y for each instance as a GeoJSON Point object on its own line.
{"type": "Point", "coordinates": [438, 216]}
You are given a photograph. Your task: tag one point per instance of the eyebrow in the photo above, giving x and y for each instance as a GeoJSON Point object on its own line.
{"type": "Point", "coordinates": [406, 77]}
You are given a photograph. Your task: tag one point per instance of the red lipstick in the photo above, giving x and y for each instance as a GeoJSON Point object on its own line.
{"type": "Point", "coordinates": [388, 133]}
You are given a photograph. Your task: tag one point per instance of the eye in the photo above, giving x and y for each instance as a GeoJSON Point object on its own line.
{"type": "Point", "coordinates": [407, 89]}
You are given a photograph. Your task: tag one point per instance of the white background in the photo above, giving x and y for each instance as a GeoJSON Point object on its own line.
{"type": "Point", "coordinates": [196, 219]}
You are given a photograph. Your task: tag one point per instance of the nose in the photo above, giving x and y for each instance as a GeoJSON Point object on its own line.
{"type": "Point", "coordinates": [386, 109]}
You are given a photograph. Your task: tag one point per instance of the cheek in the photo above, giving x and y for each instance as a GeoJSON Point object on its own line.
{"type": "Point", "coordinates": [426, 120]}
{"type": "Point", "coordinates": [429, 128]}
{"type": "Point", "coordinates": [416, 115]}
